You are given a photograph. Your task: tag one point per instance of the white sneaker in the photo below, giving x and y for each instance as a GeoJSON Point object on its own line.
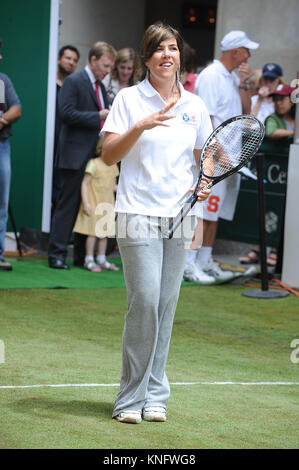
{"type": "Point", "coordinates": [154, 413]}
{"type": "Point", "coordinates": [129, 416]}
{"type": "Point", "coordinates": [193, 273]}
{"type": "Point", "coordinates": [212, 269]}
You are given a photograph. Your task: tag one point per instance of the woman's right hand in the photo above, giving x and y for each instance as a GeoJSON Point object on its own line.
{"type": "Point", "coordinates": [116, 146]}
{"type": "Point", "coordinates": [157, 119]}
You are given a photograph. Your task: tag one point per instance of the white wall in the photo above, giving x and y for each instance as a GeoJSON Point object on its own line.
{"type": "Point", "coordinates": [120, 23]}
{"type": "Point", "coordinates": [272, 23]}
{"type": "Point", "coordinates": [290, 270]}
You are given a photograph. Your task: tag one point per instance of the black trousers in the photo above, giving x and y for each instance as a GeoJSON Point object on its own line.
{"type": "Point", "coordinates": [65, 212]}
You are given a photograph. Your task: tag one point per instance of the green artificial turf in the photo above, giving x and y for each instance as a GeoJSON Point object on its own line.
{"type": "Point", "coordinates": [74, 337]}
{"type": "Point", "coordinates": [34, 273]}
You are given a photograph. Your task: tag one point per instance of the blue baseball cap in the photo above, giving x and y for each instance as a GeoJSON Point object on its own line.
{"type": "Point", "coordinates": [272, 70]}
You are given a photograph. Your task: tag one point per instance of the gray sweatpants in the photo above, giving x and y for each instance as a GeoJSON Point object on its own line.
{"type": "Point", "coordinates": [153, 270]}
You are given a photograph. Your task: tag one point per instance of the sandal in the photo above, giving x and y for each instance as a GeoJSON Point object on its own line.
{"type": "Point", "coordinates": [92, 266]}
{"type": "Point", "coordinates": [272, 258]}
{"type": "Point", "coordinates": [251, 258]}
{"type": "Point", "coordinates": [109, 266]}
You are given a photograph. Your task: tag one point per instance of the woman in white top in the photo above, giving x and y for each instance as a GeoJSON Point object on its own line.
{"type": "Point", "coordinates": [262, 103]}
{"type": "Point", "coordinates": [126, 72]}
{"type": "Point", "coordinates": [156, 129]}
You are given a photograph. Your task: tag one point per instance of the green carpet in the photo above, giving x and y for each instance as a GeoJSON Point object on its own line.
{"type": "Point", "coordinates": [36, 274]}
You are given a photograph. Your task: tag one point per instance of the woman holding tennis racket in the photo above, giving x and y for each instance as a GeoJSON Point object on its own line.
{"type": "Point", "coordinates": [156, 129]}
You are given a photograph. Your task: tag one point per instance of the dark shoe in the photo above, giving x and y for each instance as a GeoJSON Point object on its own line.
{"type": "Point", "coordinates": [58, 264]}
{"type": "Point", "coordinates": [4, 265]}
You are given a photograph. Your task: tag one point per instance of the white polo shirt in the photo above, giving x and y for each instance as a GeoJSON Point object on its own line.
{"type": "Point", "coordinates": [265, 110]}
{"type": "Point", "coordinates": [156, 174]}
{"type": "Point", "coordinates": [219, 89]}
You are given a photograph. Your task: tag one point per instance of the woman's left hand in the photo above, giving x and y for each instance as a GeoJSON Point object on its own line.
{"type": "Point", "coordinates": [205, 194]}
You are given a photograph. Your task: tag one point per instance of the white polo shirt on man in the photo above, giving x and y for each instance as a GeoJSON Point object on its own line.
{"type": "Point", "coordinates": [156, 174]}
{"type": "Point", "coordinates": [219, 89]}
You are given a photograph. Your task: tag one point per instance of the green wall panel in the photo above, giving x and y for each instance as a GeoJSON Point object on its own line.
{"type": "Point", "coordinates": [245, 226]}
{"type": "Point", "coordinates": [24, 29]}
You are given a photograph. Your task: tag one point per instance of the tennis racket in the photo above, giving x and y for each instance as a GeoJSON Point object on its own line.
{"type": "Point", "coordinates": [230, 146]}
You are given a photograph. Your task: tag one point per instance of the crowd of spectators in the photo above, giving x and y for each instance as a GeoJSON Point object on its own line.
{"type": "Point", "coordinates": [83, 101]}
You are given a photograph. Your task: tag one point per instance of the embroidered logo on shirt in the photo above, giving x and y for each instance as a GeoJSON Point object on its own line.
{"type": "Point", "coordinates": [189, 119]}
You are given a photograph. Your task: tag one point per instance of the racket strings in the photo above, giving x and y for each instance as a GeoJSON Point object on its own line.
{"type": "Point", "coordinates": [230, 147]}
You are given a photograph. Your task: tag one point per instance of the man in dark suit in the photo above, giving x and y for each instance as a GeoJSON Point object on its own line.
{"type": "Point", "coordinates": [83, 108]}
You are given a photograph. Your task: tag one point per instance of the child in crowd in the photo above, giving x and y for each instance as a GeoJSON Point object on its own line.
{"type": "Point", "coordinates": [96, 214]}
{"type": "Point", "coordinates": [281, 124]}
{"type": "Point", "coordinates": [262, 102]}
{"type": "Point", "coordinates": [262, 106]}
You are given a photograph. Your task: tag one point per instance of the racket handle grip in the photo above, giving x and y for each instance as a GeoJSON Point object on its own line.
{"type": "Point", "coordinates": [174, 224]}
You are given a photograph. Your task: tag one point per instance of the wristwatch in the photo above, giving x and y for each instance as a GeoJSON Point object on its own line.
{"type": "Point", "coordinates": [2, 119]}
{"type": "Point", "coordinates": [244, 87]}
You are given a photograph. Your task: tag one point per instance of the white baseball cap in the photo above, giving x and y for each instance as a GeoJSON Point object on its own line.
{"type": "Point", "coordinates": [236, 39]}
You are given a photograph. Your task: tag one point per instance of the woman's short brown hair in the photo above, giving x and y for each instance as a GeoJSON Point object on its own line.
{"type": "Point", "coordinates": [154, 35]}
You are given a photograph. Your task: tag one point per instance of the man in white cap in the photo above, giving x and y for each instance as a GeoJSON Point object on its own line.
{"type": "Point", "coordinates": [225, 95]}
